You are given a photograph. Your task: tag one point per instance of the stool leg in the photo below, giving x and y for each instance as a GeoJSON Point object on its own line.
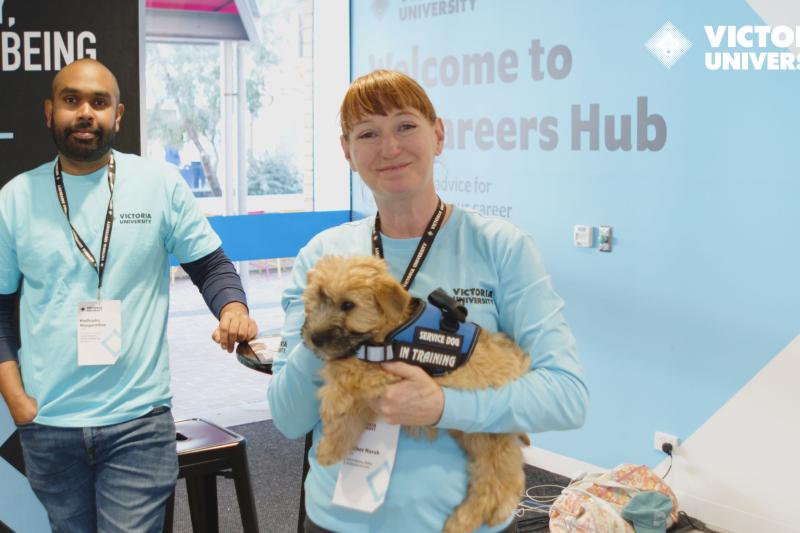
{"type": "Point", "coordinates": [169, 513]}
{"type": "Point", "coordinates": [202, 494]}
{"type": "Point", "coordinates": [301, 514]}
{"type": "Point", "coordinates": [244, 491]}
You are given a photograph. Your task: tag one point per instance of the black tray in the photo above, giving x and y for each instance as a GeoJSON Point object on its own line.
{"type": "Point", "coordinates": [259, 352]}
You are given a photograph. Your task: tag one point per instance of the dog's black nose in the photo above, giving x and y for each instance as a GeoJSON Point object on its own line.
{"type": "Point", "coordinates": [320, 338]}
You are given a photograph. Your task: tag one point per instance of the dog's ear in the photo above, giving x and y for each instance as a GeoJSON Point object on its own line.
{"type": "Point", "coordinates": [327, 265]}
{"type": "Point", "coordinates": [392, 298]}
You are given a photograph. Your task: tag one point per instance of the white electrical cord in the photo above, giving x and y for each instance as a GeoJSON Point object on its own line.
{"type": "Point", "coordinates": [538, 503]}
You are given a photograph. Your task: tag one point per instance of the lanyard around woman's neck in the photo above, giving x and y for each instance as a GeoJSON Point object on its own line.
{"type": "Point", "coordinates": [424, 246]}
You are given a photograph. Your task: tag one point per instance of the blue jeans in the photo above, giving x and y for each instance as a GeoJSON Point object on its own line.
{"type": "Point", "coordinates": [107, 479]}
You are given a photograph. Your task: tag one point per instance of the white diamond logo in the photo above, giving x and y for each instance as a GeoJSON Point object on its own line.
{"type": "Point", "coordinates": [113, 343]}
{"type": "Point", "coordinates": [668, 44]}
{"type": "Point", "coordinates": [379, 7]}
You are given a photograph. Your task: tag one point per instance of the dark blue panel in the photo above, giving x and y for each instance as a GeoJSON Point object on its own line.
{"type": "Point", "coordinates": [246, 237]}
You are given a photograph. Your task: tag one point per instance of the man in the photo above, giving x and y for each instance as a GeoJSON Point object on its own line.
{"type": "Point", "coordinates": [92, 401]}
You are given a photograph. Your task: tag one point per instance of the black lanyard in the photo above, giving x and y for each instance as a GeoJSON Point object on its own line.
{"type": "Point", "coordinates": [423, 247]}
{"type": "Point", "coordinates": [87, 253]}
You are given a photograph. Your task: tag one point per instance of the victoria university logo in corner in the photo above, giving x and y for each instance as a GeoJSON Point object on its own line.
{"type": "Point", "coordinates": [668, 44]}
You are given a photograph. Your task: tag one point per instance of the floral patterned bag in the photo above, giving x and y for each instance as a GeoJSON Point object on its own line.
{"type": "Point", "coordinates": [594, 503]}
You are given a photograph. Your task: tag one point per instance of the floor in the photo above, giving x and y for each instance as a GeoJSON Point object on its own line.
{"type": "Point", "coordinates": [208, 382]}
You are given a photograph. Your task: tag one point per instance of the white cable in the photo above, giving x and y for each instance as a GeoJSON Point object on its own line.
{"type": "Point", "coordinates": [544, 498]}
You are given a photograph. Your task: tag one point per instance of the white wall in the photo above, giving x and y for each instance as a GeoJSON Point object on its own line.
{"type": "Point", "coordinates": [738, 471]}
{"type": "Point", "coordinates": [331, 79]}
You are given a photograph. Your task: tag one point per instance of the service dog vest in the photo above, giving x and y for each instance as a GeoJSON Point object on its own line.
{"type": "Point", "coordinates": [420, 341]}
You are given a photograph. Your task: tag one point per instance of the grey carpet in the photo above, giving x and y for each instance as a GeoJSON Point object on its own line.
{"type": "Point", "coordinates": [535, 479]}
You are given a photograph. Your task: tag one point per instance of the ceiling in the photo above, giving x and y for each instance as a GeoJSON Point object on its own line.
{"type": "Point", "coordinates": [214, 6]}
{"type": "Point", "coordinates": [201, 20]}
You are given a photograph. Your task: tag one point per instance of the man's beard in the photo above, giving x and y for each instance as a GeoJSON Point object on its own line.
{"type": "Point", "coordinates": [83, 150]}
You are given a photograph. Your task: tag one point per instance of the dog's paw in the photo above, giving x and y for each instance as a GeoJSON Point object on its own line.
{"type": "Point", "coordinates": [502, 511]}
{"type": "Point", "coordinates": [462, 520]}
{"type": "Point", "coordinates": [421, 432]}
{"type": "Point", "coordinates": [327, 454]}
{"type": "Point", "coordinates": [499, 500]}
{"type": "Point", "coordinates": [324, 460]}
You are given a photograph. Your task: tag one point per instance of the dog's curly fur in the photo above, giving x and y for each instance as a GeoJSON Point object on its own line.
{"type": "Point", "coordinates": [352, 300]}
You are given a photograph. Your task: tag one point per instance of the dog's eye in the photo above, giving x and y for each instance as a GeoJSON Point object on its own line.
{"type": "Point", "coordinates": [346, 305]}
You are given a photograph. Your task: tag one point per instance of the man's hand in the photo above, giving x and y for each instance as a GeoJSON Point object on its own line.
{"type": "Point", "coordinates": [235, 325]}
{"type": "Point", "coordinates": [416, 400]}
{"type": "Point", "coordinates": [22, 407]}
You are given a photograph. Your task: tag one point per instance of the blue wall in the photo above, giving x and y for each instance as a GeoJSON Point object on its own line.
{"type": "Point", "coordinates": [701, 290]}
{"type": "Point", "coordinates": [247, 237]}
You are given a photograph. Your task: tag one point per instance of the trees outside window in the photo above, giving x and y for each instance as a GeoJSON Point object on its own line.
{"type": "Point", "coordinates": [184, 123]}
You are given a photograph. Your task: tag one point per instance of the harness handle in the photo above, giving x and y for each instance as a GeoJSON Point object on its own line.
{"type": "Point", "coordinates": [453, 313]}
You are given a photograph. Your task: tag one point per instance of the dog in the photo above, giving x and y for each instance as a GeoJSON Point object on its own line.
{"type": "Point", "coordinates": [350, 301]}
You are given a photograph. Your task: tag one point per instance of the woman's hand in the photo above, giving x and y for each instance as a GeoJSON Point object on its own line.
{"type": "Point", "coordinates": [416, 400]}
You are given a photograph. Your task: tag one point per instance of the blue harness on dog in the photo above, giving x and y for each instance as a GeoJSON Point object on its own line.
{"type": "Point", "coordinates": [436, 338]}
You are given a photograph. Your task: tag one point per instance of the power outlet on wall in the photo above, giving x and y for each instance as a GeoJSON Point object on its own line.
{"type": "Point", "coordinates": [663, 438]}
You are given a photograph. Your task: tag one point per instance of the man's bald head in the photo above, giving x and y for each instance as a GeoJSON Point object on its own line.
{"type": "Point", "coordinates": [86, 67]}
{"type": "Point", "coordinates": [83, 114]}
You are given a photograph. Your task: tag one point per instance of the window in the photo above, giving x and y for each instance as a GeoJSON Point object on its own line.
{"type": "Point", "coordinates": [225, 111]}
{"type": "Point", "coordinates": [289, 60]}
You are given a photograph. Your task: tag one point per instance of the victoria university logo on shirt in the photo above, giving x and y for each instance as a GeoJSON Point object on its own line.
{"type": "Point", "coordinates": [474, 295]}
{"type": "Point", "coordinates": [135, 218]}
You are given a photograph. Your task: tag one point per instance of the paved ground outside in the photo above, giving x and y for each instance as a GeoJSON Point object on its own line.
{"type": "Point", "coordinates": [210, 383]}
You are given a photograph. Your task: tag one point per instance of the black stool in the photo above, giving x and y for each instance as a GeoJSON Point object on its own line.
{"type": "Point", "coordinates": [206, 450]}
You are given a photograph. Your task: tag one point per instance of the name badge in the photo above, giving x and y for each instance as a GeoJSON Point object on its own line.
{"type": "Point", "coordinates": [99, 332]}
{"type": "Point", "coordinates": [365, 473]}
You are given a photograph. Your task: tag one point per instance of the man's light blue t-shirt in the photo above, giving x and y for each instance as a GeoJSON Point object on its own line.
{"type": "Point", "coordinates": [155, 214]}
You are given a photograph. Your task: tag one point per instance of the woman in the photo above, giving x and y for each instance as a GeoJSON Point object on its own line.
{"type": "Point", "coordinates": [390, 137]}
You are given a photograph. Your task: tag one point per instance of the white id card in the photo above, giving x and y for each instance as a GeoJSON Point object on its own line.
{"type": "Point", "coordinates": [366, 471]}
{"type": "Point", "coordinates": [99, 332]}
